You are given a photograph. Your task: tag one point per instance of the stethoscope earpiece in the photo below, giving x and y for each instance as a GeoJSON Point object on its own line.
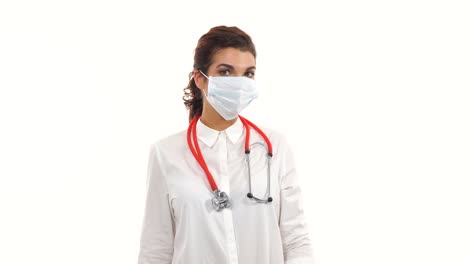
{"type": "Point", "coordinates": [269, 200]}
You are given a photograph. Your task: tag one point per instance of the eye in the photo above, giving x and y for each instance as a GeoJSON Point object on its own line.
{"type": "Point", "coordinates": [250, 74]}
{"type": "Point", "coordinates": [224, 72]}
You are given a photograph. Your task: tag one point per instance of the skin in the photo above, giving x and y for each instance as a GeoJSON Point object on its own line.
{"type": "Point", "coordinates": [226, 62]}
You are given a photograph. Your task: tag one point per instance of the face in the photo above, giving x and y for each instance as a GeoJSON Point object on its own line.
{"type": "Point", "coordinates": [228, 62]}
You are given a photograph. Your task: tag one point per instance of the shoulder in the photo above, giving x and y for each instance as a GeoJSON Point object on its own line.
{"type": "Point", "coordinates": [171, 142]}
{"type": "Point", "coordinates": [276, 136]}
{"type": "Point", "coordinates": [274, 133]}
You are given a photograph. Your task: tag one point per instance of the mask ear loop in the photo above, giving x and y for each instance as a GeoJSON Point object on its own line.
{"type": "Point", "coordinates": [204, 74]}
{"type": "Point", "coordinates": [208, 78]}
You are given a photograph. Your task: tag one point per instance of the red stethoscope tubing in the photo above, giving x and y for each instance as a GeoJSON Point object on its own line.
{"type": "Point", "coordinates": [195, 148]}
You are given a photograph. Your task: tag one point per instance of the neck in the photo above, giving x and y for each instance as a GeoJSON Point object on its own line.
{"type": "Point", "coordinates": [214, 121]}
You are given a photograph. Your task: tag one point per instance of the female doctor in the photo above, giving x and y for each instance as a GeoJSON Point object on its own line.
{"type": "Point", "coordinates": [224, 190]}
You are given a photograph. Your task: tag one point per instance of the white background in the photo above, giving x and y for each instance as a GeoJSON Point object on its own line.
{"type": "Point", "coordinates": [372, 96]}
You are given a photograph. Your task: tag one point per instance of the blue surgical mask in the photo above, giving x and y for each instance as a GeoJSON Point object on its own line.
{"type": "Point", "coordinates": [230, 95]}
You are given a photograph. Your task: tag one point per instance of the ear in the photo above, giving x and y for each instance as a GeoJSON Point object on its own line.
{"type": "Point", "coordinates": [199, 79]}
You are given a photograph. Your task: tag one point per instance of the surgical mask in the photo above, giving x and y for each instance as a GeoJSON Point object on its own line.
{"type": "Point", "coordinates": [230, 95]}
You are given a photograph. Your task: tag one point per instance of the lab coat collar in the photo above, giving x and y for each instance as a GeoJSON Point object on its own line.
{"type": "Point", "coordinates": [210, 136]}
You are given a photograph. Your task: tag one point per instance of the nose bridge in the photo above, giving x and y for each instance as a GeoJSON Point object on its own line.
{"type": "Point", "coordinates": [238, 71]}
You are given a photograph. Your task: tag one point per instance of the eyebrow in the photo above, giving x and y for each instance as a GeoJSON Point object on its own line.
{"type": "Point", "coordinates": [232, 68]}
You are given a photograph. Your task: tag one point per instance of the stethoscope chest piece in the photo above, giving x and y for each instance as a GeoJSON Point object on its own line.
{"type": "Point", "coordinates": [220, 200]}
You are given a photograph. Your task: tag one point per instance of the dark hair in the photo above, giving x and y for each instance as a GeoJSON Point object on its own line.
{"type": "Point", "coordinates": [217, 38]}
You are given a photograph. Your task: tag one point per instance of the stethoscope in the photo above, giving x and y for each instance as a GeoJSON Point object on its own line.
{"type": "Point", "coordinates": [221, 199]}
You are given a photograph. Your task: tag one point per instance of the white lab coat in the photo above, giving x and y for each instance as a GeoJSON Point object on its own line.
{"type": "Point", "coordinates": [180, 225]}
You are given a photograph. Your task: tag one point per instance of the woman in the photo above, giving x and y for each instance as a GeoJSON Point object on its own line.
{"type": "Point", "coordinates": [205, 184]}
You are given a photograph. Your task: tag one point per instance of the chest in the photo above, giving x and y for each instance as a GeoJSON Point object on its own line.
{"type": "Point", "coordinates": [234, 173]}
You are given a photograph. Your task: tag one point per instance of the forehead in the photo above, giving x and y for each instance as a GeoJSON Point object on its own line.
{"type": "Point", "coordinates": [234, 57]}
